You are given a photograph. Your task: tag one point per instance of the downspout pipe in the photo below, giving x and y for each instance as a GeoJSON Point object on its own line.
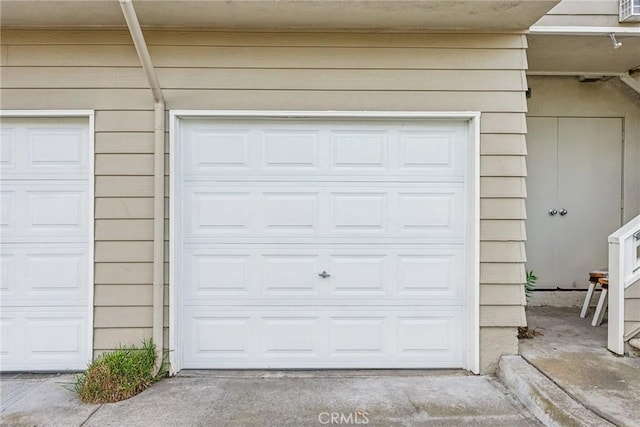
{"type": "Point", "coordinates": [141, 47]}
{"type": "Point", "coordinates": [158, 175]}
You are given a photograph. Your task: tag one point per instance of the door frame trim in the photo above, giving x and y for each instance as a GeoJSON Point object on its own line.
{"type": "Point", "coordinates": [90, 116]}
{"type": "Point", "coordinates": [471, 329]}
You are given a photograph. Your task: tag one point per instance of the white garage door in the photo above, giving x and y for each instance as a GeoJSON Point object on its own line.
{"type": "Point", "coordinates": [44, 248]}
{"type": "Point", "coordinates": [317, 243]}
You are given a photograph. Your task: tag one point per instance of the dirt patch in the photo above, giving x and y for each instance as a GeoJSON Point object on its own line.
{"type": "Point", "coordinates": [527, 333]}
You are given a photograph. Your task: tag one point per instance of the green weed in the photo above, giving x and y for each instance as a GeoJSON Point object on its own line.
{"type": "Point", "coordinates": [119, 374]}
{"type": "Point", "coordinates": [530, 284]}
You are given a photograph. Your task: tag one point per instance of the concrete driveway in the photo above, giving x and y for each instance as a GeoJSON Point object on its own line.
{"type": "Point", "coordinates": [275, 398]}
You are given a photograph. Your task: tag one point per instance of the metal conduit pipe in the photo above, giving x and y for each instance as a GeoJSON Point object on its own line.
{"type": "Point", "coordinates": [158, 175]}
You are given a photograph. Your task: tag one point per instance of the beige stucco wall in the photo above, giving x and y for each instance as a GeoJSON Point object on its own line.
{"type": "Point", "coordinates": [275, 71]}
{"type": "Point", "coordinates": [567, 97]}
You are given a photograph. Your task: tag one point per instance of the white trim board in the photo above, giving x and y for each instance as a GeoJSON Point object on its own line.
{"type": "Point", "coordinates": [90, 116]}
{"type": "Point", "coordinates": [472, 298]}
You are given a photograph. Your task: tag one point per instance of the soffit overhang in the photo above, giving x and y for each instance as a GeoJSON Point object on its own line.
{"type": "Point", "coordinates": [380, 15]}
{"type": "Point", "coordinates": [583, 54]}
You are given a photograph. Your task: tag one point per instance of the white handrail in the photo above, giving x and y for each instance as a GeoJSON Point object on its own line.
{"type": "Point", "coordinates": [624, 271]}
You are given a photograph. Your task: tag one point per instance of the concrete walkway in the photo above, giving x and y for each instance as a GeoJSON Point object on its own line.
{"type": "Point", "coordinates": [574, 356]}
{"type": "Point", "coordinates": [34, 400]}
{"type": "Point", "coordinates": [375, 398]}
{"type": "Point", "coordinates": [565, 376]}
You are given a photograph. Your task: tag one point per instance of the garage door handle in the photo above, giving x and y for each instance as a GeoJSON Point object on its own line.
{"type": "Point", "coordinates": [324, 275]}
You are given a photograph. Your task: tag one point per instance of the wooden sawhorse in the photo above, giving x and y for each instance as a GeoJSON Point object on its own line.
{"type": "Point", "coordinates": [597, 277]}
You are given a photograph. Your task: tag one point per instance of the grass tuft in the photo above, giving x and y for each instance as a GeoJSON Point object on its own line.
{"type": "Point", "coordinates": [525, 332]}
{"type": "Point", "coordinates": [118, 375]}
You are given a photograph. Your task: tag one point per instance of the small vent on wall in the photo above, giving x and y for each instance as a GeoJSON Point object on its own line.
{"type": "Point", "coordinates": [629, 11]}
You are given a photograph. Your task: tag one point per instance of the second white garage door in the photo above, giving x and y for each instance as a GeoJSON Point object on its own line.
{"type": "Point", "coordinates": [321, 243]}
{"type": "Point", "coordinates": [45, 244]}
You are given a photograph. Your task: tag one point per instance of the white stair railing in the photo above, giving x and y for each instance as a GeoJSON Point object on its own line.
{"type": "Point", "coordinates": [624, 271]}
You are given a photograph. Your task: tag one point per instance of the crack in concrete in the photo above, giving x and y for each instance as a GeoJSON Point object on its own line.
{"type": "Point", "coordinates": [416, 407]}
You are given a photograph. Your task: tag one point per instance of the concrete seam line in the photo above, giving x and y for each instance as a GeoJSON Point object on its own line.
{"type": "Point", "coordinates": [91, 415]}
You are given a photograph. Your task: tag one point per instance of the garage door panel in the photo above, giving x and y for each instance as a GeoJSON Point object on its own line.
{"type": "Point", "coordinates": [52, 148]}
{"type": "Point", "coordinates": [7, 274]}
{"type": "Point", "coordinates": [221, 212]}
{"type": "Point", "coordinates": [8, 339]}
{"type": "Point", "coordinates": [57, 336]}
{"type": "Point", "coordinates": [321, 242]}
{"type": "Point", "coordinates": [7, 212]}
{"type": "Point", "coordinates": [8, 149]}
{"type": "Point", "coordinates": [347, 148]}
{"type": "Point", "coordinates": [44, 243]}
{"type": "Point", "coordinates": [421, 335]}
{"type": "Point", "coordinates": [359, 150]}
{"type": "Point", "coordinates": [424, 275]}
{"type": "Point", "coordinates": [221, 337]}
{"type": "Point", "coordinates": [304, 337]}
{"type": "Point", "coordinates": [49, 211]}
{"type": "Point", "coordinates": [31, 150]}
{"type": "Point", "coordinates": [358, 275]}
{"type": "Point", "coordinates": [291, 273]}
{"type": "Point", "coordinates": [290, 337]}
{"type": "Point", "coordinates": [292, 213]}
{"type": "Point", "coordinates": [50, 275]}
{"type": "Point", "coordinates": [291, 150]}
{"type": "Point", "coordinates": [224, 150]}
{"type": "Point", "coordinates": [44, 338]}
{"type": "Point", "coordinates": [218, 274]}
{"type": "Point", "coordinates": [56, 211]}
{"type": "Point", "coordinates": [359, 212]}
{"type": "Point", "coordinates": [359, 337]}
{"type": "Point", "coordinates": [61, 274]}
{"type": "Point", "coordinates": [324, 211]}
{"type": "Point", "coordinates": [423, 151]}
{"type": "Point", "coordinates": [424, 212]}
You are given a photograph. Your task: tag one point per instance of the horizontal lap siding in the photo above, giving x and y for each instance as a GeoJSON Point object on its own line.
{"type": "Point", "coordinates": [279, 71]}
{"type": "Point", "coordinates": [267, 57]}
{"type": "Point", "coordinates": [268, 79]}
